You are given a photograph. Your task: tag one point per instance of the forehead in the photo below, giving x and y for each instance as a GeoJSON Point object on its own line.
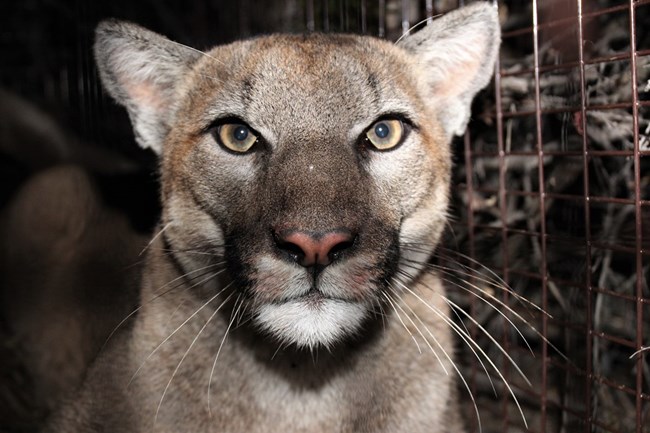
{"type": "Point", "coordinates": [307, 81]}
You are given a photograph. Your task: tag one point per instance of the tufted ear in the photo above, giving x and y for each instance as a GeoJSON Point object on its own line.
{"type": "Point", "coordinates": [141, 70]}
{"type": "Point", "coordinates": [458, 51]}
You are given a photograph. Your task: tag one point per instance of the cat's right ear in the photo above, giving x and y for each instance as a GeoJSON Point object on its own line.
{"type": "Point", "coordinates": [458, 52]}
{"type": "Point", "coordinates": [141, 70]}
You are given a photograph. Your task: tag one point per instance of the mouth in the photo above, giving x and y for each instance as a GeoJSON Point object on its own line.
{"type": "Point", "coordinates": [313, 300]}
{"type": "Point", "coordinates": [313, 296]}
{"type": "Point", "coordinates": [295, 306]}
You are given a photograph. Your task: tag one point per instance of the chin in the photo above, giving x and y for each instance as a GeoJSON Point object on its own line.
{"type": "Point", "coordinates": [311, 321]}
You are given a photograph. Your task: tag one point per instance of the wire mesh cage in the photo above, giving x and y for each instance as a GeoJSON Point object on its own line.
{"type": "Point", "coordinates": [555, 193]}
{"type": "Point", "coordinates": [551, 198]}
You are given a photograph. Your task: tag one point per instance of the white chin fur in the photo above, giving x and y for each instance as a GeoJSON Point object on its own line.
{"type": "Point", "coordinates": [309, 324]}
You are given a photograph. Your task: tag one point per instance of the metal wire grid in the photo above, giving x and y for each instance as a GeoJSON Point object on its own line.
{"type": "Point", "coordinates": [570, 403]}
{"type": "Point", "coordinates": [592, 414]}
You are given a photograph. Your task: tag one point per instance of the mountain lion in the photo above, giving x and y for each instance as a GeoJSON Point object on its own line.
{"type": "Point", "coordinates": [305, 183]}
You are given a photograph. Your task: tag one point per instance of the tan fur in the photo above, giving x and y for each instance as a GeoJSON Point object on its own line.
{"type": "Point", "coordinates": [262, 343]}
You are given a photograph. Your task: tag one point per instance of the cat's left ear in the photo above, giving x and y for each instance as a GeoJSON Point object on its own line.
{"type": "Point", "coordinates": [141, 70]}
{"type": "Point", "coordinates": [458, 52]}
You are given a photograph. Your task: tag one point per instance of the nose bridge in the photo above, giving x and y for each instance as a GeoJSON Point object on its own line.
{"type": "Point", "coordinates": [318, 186]}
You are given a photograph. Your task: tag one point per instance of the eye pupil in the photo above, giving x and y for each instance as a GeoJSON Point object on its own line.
{"type": "Point", "coordinates": [382, 130]}
{"type": "Point", "coordinates": [240, 133]}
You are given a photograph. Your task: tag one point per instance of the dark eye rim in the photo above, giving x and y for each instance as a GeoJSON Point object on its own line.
{"type": "Point", "coordinates": [213, 130]}
{"type": "Point", "coordinates": [407, 124]}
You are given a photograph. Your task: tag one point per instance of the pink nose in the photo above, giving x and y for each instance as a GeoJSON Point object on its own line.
{"type": "Point", "coordinates": [310, 249]}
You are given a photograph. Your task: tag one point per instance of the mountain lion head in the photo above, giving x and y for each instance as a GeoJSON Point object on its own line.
{"type": "Point", "coordinates": [315, 168]}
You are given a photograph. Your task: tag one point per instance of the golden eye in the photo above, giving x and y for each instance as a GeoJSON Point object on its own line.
{"type": "Point", "coordinates": [386, 134]}
{"type": "Point", "coordinates": [236, 137]}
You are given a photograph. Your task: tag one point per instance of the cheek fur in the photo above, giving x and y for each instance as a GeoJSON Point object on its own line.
{"type": "Point", "coordinates": [403, 175]}
{"type": "Point", "coordinates": [273, 280]}
{"type": "Point", "coordinates": [355, 280]}
{"type": "Point", "coordinates": [420, 233]}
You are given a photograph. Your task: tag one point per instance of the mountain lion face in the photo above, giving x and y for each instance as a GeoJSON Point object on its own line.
{"type": "Point", "coordinates": [309, 168]}
{"type": "Point", "coordinates": [314, 168]}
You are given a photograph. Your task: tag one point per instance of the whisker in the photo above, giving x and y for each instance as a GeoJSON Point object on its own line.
{"type": "Point", "coordinates": [501, 313]}
{"type": "Point", "coordinates": [134, 264]}
{"type": "Point", "coordinates": [474, 352]}
{"type": "Point", "coordinates": [186, 274]}
{"type": "Point", "coordinates": [497, 282]}
{"type": "Point", "coordinates": [153, 239]}
{"type": "Point", "coordinates": [468, 339]}
{"type": "Point", "coordinates": [280, 346]}
{"type": "Point", "coordinates": [640, 351]}
{"type": "Point", "coordinates": [223, 340]}
{"type": "Point", "coordinates": [512, 311]}
{"type": "Point", "coordinates": [178, 307]}
{"type": "Point", "coordinates": [408, 32]}
{"type": "Point", "coordinates": [203, 53]}
{"type": "Point", "coordinates": [471, 273]}
{"type": "Point", "coordinates": [495, 308]}
{"type": "Point", "coordinates": [185, 355]}
{"type": "Point", "coordinates": [454, 366]}
{"type": "Point", "coordinates": [178, 328]}
{"type": "Point", "coordinates": [242, 318]}
{"type": "Point", "coordinates": [446, 253]}
{"type": "Point", "coordinates": [487, 334]}
{"type": "Point", "coordinates": [401, 321]}
{"type": "Point", "coordinates": [248, 319]}
{"type": "Point", "coordinates": [502, 284]}
{"type": "Point", "coordinates": [381, 313]}
{"type": "Point", "coordinates": [123, 321]}
{"type": "Point", "coordinates": [170, 251]}
{"type": "Point", "coordinates": [502, 350]}
{"type": "Point", "coordinates": [419, 331]}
